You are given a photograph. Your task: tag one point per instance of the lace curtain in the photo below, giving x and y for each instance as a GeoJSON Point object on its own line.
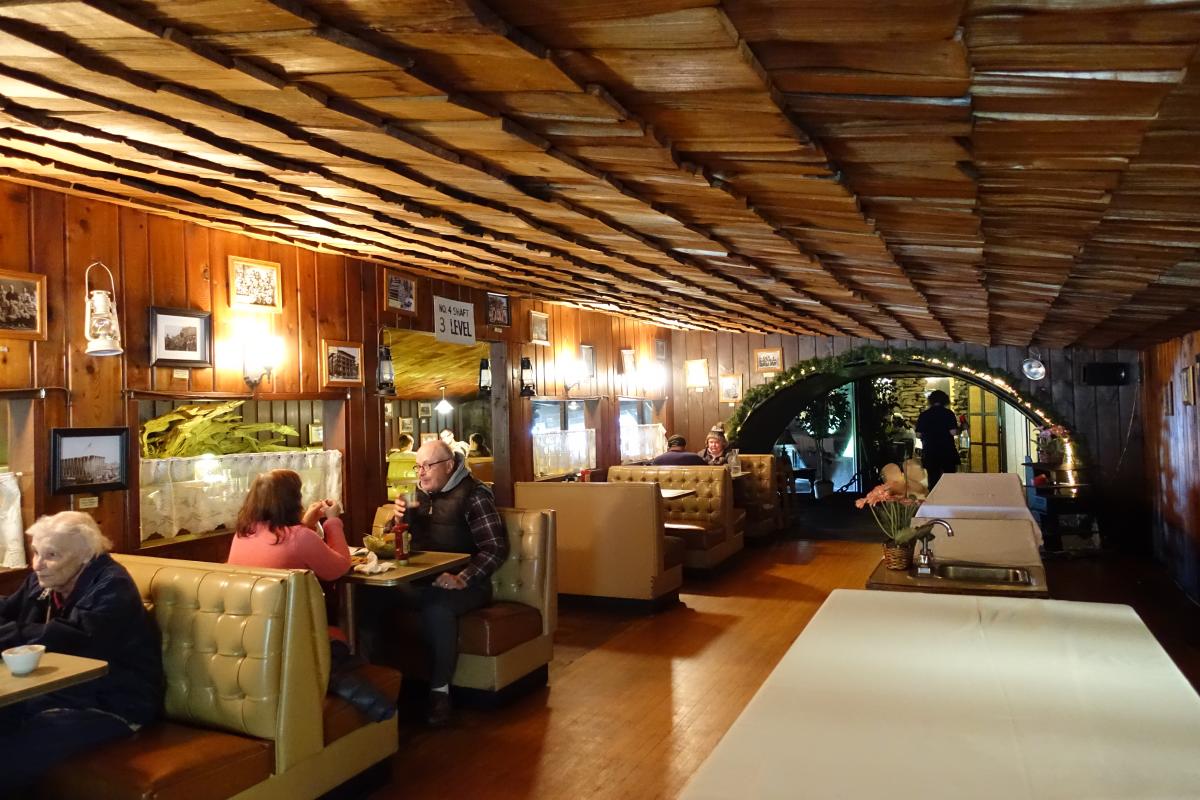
{"type": "Point", "coordinates": [560, 452]}
{"type": "Point", "coordinates": [204, 493]}
{"type": "Point", "coordinates": [12, 531]}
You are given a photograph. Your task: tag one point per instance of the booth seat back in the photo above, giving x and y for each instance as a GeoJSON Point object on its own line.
{"type": "Point", "coordinates": [610, 537]}
{"type": "Point", "coordinates": [245, 649]}
{"type": "Point", "coordinates": [526, 580]}
{"type": "Point", "coordinates": [759, 493]}
{"type": "Point", "coordinates": [712, 504]}
{"type": "Point", "coordinates": [483, 468]}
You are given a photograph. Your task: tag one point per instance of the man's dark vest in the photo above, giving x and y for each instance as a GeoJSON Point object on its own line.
{"type": "Point", "coordinates": [441, 520]}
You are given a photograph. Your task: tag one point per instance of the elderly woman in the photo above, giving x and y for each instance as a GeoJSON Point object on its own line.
{"type": "Point", "coordinates": [274, 529]}
{"type": "Point", "coordinates": [78, 601]}
{"type": "Point", "coordinates": [715, 449]}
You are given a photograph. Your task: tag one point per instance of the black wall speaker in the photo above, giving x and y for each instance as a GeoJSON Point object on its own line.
{"type": "Point", "coordinates": [1106, 373]}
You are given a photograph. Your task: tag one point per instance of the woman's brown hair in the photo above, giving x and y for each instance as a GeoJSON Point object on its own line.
{"type": "Point", "coordinates": [274, 498]}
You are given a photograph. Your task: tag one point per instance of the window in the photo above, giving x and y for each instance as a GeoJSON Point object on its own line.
{"type": "Point", "coordinates": [562, 441]}
{"type": "Point", "coordinates": [642, 435]}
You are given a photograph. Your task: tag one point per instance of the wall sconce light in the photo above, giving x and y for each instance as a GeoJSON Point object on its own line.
{"type": "Point", "coordinates": [485, 378]}
{"type": "Point", "coordinates": [101, 328]}
{"type": "Point", "coordinates": [443, 406]}
{"type": "Point", "coordinates": [385, 380]}
{"type": "Point", "coordinates": [527, 387]}
{"type": "Point", "coordinates": [1033, 368]}
{"type": "Point", "coordinates": [651, 375]}
{"type": "Point", "coordinates": [572, 374]}
{"type": "Point", "coordinates": [260, 358]}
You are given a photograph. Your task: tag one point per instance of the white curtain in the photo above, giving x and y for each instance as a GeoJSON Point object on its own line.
{"type": "Point", "coordinates": [203, 493]}
{"type": "Point", "coordinates": [12, 531]}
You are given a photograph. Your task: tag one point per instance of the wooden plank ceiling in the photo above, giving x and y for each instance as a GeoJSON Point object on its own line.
{"type": "Point", "coordinates": [990, 171]}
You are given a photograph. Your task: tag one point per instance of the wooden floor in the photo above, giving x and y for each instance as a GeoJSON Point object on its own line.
{"type": "Point", "coordinates": [635, 702]}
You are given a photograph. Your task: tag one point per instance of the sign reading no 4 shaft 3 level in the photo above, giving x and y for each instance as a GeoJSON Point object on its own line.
{"type": "Point", "coordinates": [453, 321]}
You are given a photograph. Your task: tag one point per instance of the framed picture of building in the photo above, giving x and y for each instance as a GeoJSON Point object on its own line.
{"type": "Point", "coordinates": [539, 327]}
{"type": "Point", "coordinates": [406, 424]}
{"type": "Point", "coordinates": [424, 409]}
{"type": "Point", "coordinates": [88, 459]}
{"type": "Point", "coordinates": [428, 437]}
{"type": "Point", "coordinates": [400, 293]}
{"type": "Point", "coordinates": [180, 337]}
{"type": "Point", "coordinates": [768, 359]}
{"type": "Point", "coordinates": [341, 363]}
{"type": "Point", "coordinates": [22, 305]}
{"type": "Point", "coordinates": [730, 388]}
{"type": "Point", "coordinates": [316, 433]}
{"type": "Point", "coordinates": [254, 285]}
{"type": "Point", "coordinates": [498, 310]}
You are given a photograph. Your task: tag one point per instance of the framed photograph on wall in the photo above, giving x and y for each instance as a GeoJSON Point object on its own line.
{"type": "Point", "coordinates": [539, 327]}
{"type": "Point", "coordinates": [1187, 384]}
{"type": "Point", "coordinates": [406, 424]}
{"type": "Point", "coordinates": [316, 433]}
{"type": "Point", "coordinates": [660, 350]}
{"type": "Point", "coordinates": [498, 310]}
{"type": "Point", "coordinates": [424, 409]}
{"type": "Point", "coordinates": [22, 305]}
{"type": "Point", "coordinates": [628, 362]}
{"type": "Point", "coordinates": [428, 437]}
{"type": "Point", "coordinates": [341, 363]}
{"type": "Point", "coordinates": [399, 293]}
{"type": "Point", "coordinates": [730, 388]}
{"type": "Point", "coordinates": [254, 285]}
{"type": "Point", "coordinates": [695, 373]}
{"type": "Point", "coordinates": [587, 357]}
{"type": "Point", "coordinates": [769, 359]}
{"type": "Point", "coordinates": [180, 337]}
{"type": "Point", "coordinates": [88, 459]}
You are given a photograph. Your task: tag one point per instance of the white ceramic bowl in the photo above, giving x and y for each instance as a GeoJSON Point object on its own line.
{"type": "Point", "coordinates": [24, 659]}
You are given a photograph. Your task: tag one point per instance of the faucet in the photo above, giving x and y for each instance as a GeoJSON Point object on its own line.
{"type": "Point", "coordinates": [924, 559]}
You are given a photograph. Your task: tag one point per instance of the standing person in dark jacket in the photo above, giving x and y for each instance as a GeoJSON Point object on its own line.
{"type": "Point", "coordinates": [78, 601]}
{"type": "Point", "coordinates": [455, 513]}
{"type": "Point", "coordinates": [937, 426]}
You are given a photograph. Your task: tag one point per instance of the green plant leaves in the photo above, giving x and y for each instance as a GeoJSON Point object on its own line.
{"type": "Point", "coordinates": [210, 429]}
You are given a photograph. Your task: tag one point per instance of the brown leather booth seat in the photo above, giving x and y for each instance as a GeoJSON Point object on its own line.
{"type": "Point", "coordinates": [610, 538]}
{"type": "Point", "coordinates": [708, 523]}
{"type": "Point", "coordinates": [758, 495]}
{"type": "Point", "coordinates": [246, 656]}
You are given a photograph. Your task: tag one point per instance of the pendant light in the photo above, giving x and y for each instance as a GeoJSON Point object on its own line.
{"type": "Point", "coordinates": [1033, 368]}
{"type": "Point", "coordinates": [485, 378]}
{"type": "Point", "coordinates": [101, 328]}
{"type": "Point", "coordinates": [443, 407]}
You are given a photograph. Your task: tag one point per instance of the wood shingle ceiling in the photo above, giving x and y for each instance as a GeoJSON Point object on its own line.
{"type": "Point", "coordinates": [990, 171]}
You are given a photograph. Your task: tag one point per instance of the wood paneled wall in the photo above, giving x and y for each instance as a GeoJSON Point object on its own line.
{"type": "Point", "coordinates": [1173, 457]}
{"type": "Point", "coordinates": [160, 261]}
{"type": "Point", "coordinates": [1107, 419]}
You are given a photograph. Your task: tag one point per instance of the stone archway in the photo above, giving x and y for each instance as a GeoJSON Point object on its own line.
{"type": "Point", "coordinates": [766, 410]}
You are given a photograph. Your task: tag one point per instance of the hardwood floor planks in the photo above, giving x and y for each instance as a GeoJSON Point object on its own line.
{"type": "Point", "coordinates": [635, 702]}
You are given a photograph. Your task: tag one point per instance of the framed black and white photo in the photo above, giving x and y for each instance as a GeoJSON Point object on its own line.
{"type": "Point", "coordinates": [22, 305]}
{"type": "Point", "coordinates": [660, 350]}
{"type": "Point", "coordinates": [587, 358]}
{"type": "Point", "coordinates": [768, 359]}
{"type": "Point", "coordinates": [628, 361]}
{"type": "Point", "coordinates": [180, 337]}
{"type": "Point", "coordinates": [406, 424]}
{"type": "Point", "coordinates": [341, 364]}
{"type": "Point", "coordinates": [254, 285]}
{"type": "Point", "coordinates": [88, 459]}
{"type": "Point", "coordinates": [316, 433]}
{"type": "Point", "coordinates": [539, 327]}
{"type": "Point", "coordinates": [424, 409]}
{"type": "Point", "coordinates": [399, 293]}
{"type": "Point", "coordinates": [498, 311]}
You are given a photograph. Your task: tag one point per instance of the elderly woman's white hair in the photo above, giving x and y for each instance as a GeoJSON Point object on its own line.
{"type": "Point", "coordinates": [76, 524]}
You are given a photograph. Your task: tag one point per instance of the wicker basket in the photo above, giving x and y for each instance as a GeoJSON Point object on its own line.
{"type": "Point", "coordinates": [898, 556]}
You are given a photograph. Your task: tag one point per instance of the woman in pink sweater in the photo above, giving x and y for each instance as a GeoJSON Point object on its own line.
{"type": "Point", "coordinates": [275, 530]}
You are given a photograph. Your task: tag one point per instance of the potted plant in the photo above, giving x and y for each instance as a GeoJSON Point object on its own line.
{"type": "Point", "coordinates": [821, 418]}
{"type": "Point", "coordinates": [893, 507]}
{"type": "Point", "coordinates": [1052, 444]}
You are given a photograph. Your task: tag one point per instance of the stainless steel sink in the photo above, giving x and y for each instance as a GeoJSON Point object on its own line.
{"type": "Point", "coordinates": [982, 573]}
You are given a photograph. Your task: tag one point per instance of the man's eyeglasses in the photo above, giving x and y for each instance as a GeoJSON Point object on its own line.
{"type": "Point", "coordinates": [426, 467]}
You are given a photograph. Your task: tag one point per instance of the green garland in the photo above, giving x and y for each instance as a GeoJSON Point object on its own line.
{"type": "Point", "coordinates": [998, 380]}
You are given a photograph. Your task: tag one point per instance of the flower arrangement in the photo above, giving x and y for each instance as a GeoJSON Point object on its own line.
{"type": "Point", "coordinates": [894, 503]}
{"type": "Point", "coordinates": [1051, 444]}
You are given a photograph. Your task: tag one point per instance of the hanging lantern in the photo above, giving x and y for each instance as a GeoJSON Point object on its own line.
{"type": "Point", "coordinates": [485, 378]}
{"type": "Point", "coordinates": [101, 327]}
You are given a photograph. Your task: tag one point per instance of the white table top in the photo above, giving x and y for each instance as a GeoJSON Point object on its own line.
{"type": "Point", "coordinates": [1007, 542]}
{"type": "Point", "coordinates": [965, 495]}
{"type": "Point", "coordinates": [911, 695]}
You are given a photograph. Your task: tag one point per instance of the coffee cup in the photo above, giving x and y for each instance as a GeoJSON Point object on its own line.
{"type": "Point", "coordinates": [24, 659]}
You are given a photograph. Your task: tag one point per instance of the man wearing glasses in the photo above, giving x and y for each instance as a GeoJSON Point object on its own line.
{"type": "Point", "coordinates": [452, 512]}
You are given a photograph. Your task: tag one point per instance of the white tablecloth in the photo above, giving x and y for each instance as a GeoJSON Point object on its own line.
{"type": "Point", "coordinates": [965, 495]}
{"type": "Point", "coordinates": [908, 695]}
{"type": "Point", "coordinates": [1008, 542]}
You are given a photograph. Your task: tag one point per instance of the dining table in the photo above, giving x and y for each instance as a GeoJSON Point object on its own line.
{"type": "Point", "coordinates": [55, 671]}
{"type": "Point", "coordinates": [966, 495]}
{"type": "Point", "coordinates": [675, 494]}
{"type": "Point", "coordinates": [420, 564]}
{"type": "Point", "coordinates": [936, 696]}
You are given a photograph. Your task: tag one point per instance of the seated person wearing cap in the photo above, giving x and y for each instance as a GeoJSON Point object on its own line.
{"type": "Point", "coordinates": [78, 601]}
{"type": "Point", "coordinates": [716, 449]}
{"type": "Point", "coordinates": [677, 456]}
{"type": "Point", "coordinates": [456, 513]}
